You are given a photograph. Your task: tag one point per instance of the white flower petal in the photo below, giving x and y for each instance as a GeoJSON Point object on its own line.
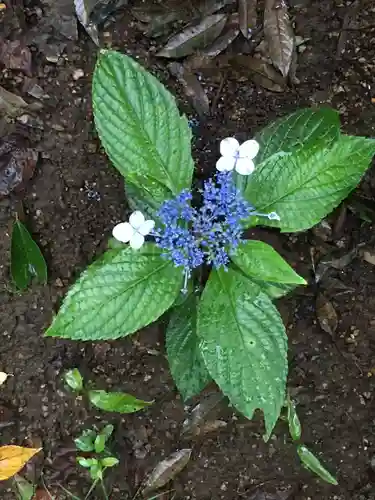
{"type": "Point", "coordinates": [137, 219]}
{"type": "Point", "coordinates": [244, 166]}
{"type": "Point", "coordinates": [137, 240]}
{"type": "Point", "coordinates": [225, 164]}
{"type": "Point", "coordinates": [249, 149]}
{"type": "Point", "coordinates": [229, 146]}
{"type": "Point", "coordinates": [146, 227]}
{"type": "Point", "coordinates": [123, 232]}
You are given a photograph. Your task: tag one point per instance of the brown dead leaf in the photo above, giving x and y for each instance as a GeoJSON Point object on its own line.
{"type": "Point", "coordinates": [247, 10]}
{"type": "Point", "coordinates": [198, 417]}
{"type": "Point", "coordinates": [279, 35]}
{"type": "Point", "coordinates": [194, 37]}
{"type": "Point", "coordinates": [13, 458]}
{"type": "Point", "coordinates": [17, 164]}
{"type": "Point", "coordinates": [15, 55]}
{"type": "Point", "coordinates": [259, 71]}
{"type": "Point", "coordinates": [369, 256]}
{"type": "Point", "coordinates": [192, 88]}
{"type": "Point", "coordinates": [167, 469]}
{"type": "Point", "coordinates": [11, 104]}
{"type": "Point", "coordinates": [326, 315]}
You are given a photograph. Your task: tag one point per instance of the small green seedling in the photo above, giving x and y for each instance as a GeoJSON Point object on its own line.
{"type": "Point", "coordinates": [118, 402]}
{"type": "Point", "coordinates": [94, 442]}
{"type": "Point", "coordinates": [307, 458]}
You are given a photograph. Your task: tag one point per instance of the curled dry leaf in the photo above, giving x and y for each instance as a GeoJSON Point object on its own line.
{"type": "Point", "coordinates": [17, 164]}
{"type": "Point", "coordinates": [15, 55]}
{"type": "Point", "coordinates": [335, 263]}
{"type": "Point", "coordinates": [91, 13]}
{"type": "Point", "coordinates": [198, 416]}
{"type": "Point", "coordinates": [247, 10]}
{"type": "Point", "coordinates": [279, 35]}
{"type": "Point", "coordinates": [259, 71]}
{"type": "Point", "coordinates": [167, 469]}
{"type": "Point", "coordinates": [194, 37]}
{"type": "Point", "coordinates": [204, 58]}
{"type": "Point", "coordinates": [3, 377]}
{"type": "Point", "coordinates": [13, 458]}
{"type": "Point", "coordinates": [326, 315]}
{"type": "Point", "coordinates": [11, 104]}
{"type": "Point", "coordinates": [192, 88]}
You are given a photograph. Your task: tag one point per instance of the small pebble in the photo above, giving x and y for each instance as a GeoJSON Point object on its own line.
{"type": "Point", "coordinates": [77, 74]}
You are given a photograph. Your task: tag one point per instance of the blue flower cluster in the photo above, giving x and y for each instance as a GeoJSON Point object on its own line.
{"type": "Point", "coordinates": [191, 236]}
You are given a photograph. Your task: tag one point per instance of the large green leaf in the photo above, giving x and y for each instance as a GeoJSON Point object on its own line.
{"type": "Point", "coordinates": [185, 359]}
{"type": "Point", "coordinates": [140, 127]}
{"type": "Point", "coordinates": [244, 344]}
{"type": "Point", "coordinates": [305, 128]}
{"type": "Point", "coordinates": [304, 186]}
{"type": "Point", "coordinates": [260, 261]}
{"type": "Point", "coordinates": [26, 259]}
{"type": "Point", "coordinates": [121, 292]}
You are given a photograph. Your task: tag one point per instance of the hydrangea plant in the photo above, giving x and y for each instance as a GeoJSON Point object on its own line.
{"type": "Point", "coordinates": [183, 248]}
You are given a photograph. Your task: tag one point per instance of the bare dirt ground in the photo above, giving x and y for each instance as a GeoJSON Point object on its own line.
{"type": "Point", "coordinates": [73, 201]}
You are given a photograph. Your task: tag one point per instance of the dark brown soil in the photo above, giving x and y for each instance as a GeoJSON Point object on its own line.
{"type": "Point", "coordinates": [71, 205]}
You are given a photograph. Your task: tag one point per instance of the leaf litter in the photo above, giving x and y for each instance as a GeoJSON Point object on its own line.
{"type": "Point", "coordinates": [326, 315]}
{"type": "Point", "coordinates": [17, 164]}
{"type": "Point", "coordinates": [197, 421]}
{"type": "Point", "coordinates": [279, 34]}
{"type": "Point", "coordinates": [194, 37]}
{"type": "Point", "coordinates": [247, 10]}
{"type": "Point", "coordinates": [167, 469]}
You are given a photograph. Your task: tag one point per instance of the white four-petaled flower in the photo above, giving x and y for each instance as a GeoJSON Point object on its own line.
{"type": "Point", "coordinates": [134, 231]}
{"type": "Point", "coordinates": [236, 156]}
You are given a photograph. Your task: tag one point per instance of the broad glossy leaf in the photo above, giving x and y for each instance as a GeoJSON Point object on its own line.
{"type": "Point", "coordinates": [85, 442]}
{"type": "Point", "coordinates": [140, 127]}
{"type": "Point", "coordinates": [194, 37]}
{"type": "Point", "coordinates": [274, 290]}
{"type": "Point", "coordinates": [305, 128]}
{"type": "Point", "coordinates": [13, 458]}
{"type": "Point", "coordinates": [139, 198]}
{"type": "Point", "coordinates": [74, 379]}
{"type": "Point", "coordinates": [260, 261]}
{"type": "Point", "coordinates": [167, 469]}
{"type": "Point", "coordinates": [27, 261]}
{"type": "Point", "coordinates": [279, 35]}
{"type": "Point", "coordinates": [313, 464]}
{"type": "Point", "coordinates": [185, 359]}
{"type": "Point", "coordinates": [119, 402]}
{"type": "Point", "coordinates": [244, 344]}
{"type": "Point", "coordinates": [121, 292]}
{"type": "Point", "coordinates": [304, 186]}
{"type": "Point", "coordinates": [109, 461]}
{"type": "Point", "coordinates": [99, 443]}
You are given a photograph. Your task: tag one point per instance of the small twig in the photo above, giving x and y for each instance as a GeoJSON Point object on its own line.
{"type": "Point", "coordinates": [93, 486]}
{"type": "Point", "coordinates": [218, 93]}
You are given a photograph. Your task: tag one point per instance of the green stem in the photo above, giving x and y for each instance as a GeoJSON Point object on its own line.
{"type": "Point", "coordinates": [104, 490]}
{"type": "Point", "coordinates": [91, 489]}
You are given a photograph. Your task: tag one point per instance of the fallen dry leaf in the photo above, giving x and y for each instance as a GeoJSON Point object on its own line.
{"type": "Point", "coordinates": [247, 10]}
{"type": "Point", "coordinates": [13, 458]}
{"type": "Point", "coordinates": [194, 37]}
{"type": "Point", "coordinates": [167, 469]}
{"type": "Point", "coordinates": [15, 55]}
{"type": "Point", "coordinates": [326, 315]}
{"type": "Point", "coordinates": [17, 164]}
{"type": "Point", "coordinates": [369, 256]}
{"type": "Point", "coordinates": [279, 35]}
{"type": "Point", "coordinates": [3, 377]}
{"type": "Point", "coordinates": [192, 88]}
{"type": "Point", "coordinates": [259, 71]}
{"type": "Point", "coordinates": [198, 417]}
{"type": "Point", "coordinates": [11, 104]}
